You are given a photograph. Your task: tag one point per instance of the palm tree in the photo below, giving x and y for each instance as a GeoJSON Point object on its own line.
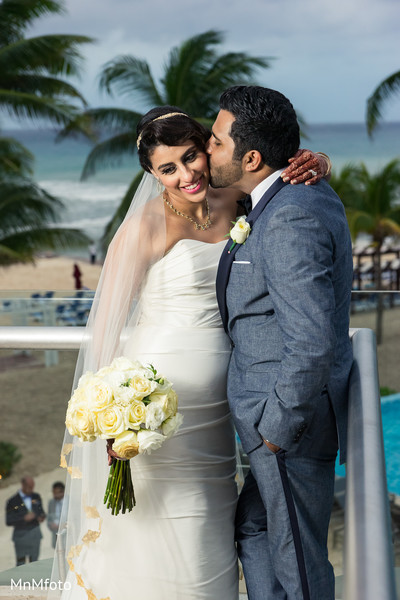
{"type": "Point", "coordinates": [385, 89]}
{"type": "Point", "coordinates": [28, 222]}
{"type": "Point", "coordinates": [30, 85]}
{"type": "Point", "coordinates": [194, 76]}
{"type": "Point", "coordinates": [15, 159]}
{"type": "Point", "coordinates": [372, 206]}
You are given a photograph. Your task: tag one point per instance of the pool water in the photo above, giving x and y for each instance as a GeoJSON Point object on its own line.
{"type": "Point", "coordinates": [390, 408]}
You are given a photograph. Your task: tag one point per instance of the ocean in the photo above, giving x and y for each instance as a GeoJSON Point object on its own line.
{"type": "Point", "coordinates": [90, 204]}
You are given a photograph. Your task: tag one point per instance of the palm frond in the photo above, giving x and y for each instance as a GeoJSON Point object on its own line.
{"type": "Point", "coordinates": [385, 90]}
{"type": "Point", "coordinates": [94, 122]}
{"type": "Point", "coordinates": [17, 15]}
{"type": "Point", "coordinates": [109, 153]}
{"type": "Point", "coordinates": [21, 246]}
{"type": "Point", "coordinates": [34, 107]}
{"type": "Point", "coordinates": [50, 87]}
{"type": "Point", "coordinates": [120, 213]}
{"type": "Point", "coordinates": [15, 158]}
{"type": "Point", "coordinates": [57, 54]}
{"type": "Point", "coordinates": [126, 74]}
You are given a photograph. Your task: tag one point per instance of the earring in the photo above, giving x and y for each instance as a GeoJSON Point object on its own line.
{"type": "Point", "coordinates": [160, 186]}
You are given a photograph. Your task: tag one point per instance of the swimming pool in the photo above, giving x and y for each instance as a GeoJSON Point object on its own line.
{"type": "Point", "coordinates": [390, 408]}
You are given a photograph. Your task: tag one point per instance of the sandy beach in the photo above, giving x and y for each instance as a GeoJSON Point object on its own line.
{"type": "Point", "coordinates": [48, 273]}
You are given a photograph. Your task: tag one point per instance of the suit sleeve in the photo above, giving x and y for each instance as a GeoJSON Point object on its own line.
{"type": "Point", "coordinates": [51, 515]}
{"type": "Point", "coordinates": [14, 516]}
{"type": "Point", "coordinates": [298, 265]}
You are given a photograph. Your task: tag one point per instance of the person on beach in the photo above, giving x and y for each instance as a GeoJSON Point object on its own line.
{"type": "Point", "coordinates": [284, 297]}
{"type": "Point", "coordinates": [77, 275]}
{"type": "Point", "coordinates": [92, 252]}
{"type": "Point", "coordinates": [156, 303]}
{"type": "Point", "coordinates": [24, 512]}
{"type": "Point", "coordinates": [54, 509]}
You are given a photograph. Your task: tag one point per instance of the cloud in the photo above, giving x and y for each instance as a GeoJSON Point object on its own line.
{"type": "Point", "coordinates": [329, 55]}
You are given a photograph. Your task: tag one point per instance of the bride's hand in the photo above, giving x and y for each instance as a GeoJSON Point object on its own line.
{"type": "Point", "coordinates": [306, 167]}
{"type": "Point", "coordinates": [111, 453]}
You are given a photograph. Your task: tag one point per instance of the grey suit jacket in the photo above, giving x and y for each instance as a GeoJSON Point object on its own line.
{"type": "Point", "coordinates": [284, 298]}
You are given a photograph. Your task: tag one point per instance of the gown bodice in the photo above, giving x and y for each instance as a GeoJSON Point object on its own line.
{"type": "Point", "coordinates": [179, 290]}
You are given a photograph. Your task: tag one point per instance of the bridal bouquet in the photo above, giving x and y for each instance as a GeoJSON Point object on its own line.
{"type": "Point", "coordinates": [131, 406]}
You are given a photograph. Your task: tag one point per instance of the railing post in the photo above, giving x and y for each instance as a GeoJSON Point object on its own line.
{"type": "Point", "coordinates": [368, 553]}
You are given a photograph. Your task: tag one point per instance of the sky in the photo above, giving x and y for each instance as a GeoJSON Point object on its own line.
{"type": "Point", "coordinates": [329, 55]}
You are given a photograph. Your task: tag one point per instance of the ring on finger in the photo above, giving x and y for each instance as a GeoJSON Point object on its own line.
{"type": "Point", "coordinates": [313, 173]}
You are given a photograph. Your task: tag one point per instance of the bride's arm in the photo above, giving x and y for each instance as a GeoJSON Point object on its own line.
{"type": "Point", "coordinates": [307, 167]}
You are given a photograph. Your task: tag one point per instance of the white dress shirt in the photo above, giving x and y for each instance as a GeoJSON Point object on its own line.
{"type": "Point", "coordinates": [262, 187]}
{"type": "Point", "coordinates": [27, 500]}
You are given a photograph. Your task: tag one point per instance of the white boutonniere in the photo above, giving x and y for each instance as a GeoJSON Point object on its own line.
{"type": "Point", "coordinates": [239, 232]}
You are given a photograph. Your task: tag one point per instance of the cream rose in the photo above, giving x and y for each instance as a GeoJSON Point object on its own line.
{"type": "Point", "coordinates": [126, 445]}
{"type": "Point", "coordinates": [79, 421]}
{"type": "Point", "coordinates": [149, 441]}
{"type": "Point", "coordinates": [98, 393]}
{"type": "Point", "coordinates": [240, 231]}
{"type": "Point", "coordinates": [135, 415]}
{"type": "Point", "coordinates": [141, 386]}
{"type": "Point", "coordinates": [111, 422]}
{"type": "Point", "coordinates": [171, 425]}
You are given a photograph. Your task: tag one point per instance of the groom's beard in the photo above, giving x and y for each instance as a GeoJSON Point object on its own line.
{"type": "Point", "coordinates": [225, 175]}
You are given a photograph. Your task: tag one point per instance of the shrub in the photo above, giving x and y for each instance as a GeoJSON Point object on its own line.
{"type": "Point", "coordinates": [9, 456]}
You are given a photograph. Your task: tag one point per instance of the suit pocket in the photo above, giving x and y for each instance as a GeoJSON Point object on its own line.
{"type": "Point", "coordinates": [262, 381]}
{"type": "Point", "coordinates": [242, 268]}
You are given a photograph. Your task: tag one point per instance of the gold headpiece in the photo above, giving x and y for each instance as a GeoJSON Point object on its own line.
{"type": "Point", "coordinates": [172, 114]}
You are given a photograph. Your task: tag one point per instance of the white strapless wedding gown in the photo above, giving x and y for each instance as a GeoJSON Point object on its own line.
{"type": "Point", "coordinates": [178, 542]}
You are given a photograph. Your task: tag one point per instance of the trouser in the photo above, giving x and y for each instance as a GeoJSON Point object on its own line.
{"type": "Point", "coordinates": [283, 517]}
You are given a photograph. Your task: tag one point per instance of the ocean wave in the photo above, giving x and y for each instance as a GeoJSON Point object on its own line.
{"type": "Point", "coordinates": [88, 224]}
{"type": "Point", "coordinates": [84, 191]}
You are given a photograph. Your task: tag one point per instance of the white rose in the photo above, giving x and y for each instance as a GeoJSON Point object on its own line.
{"type": "Point", "coordinates": [111, 422]}
{"type": "Point", "coordinates": [126, 444]}
{"type": "Point", "coordinates": [240, 231]}
{"type": "Point", "coordinates": [121, 363]}
{"type": "Point", "coordinates": [104, 371]}
{"type": "Point", "coordinates": [168, 402]}
{"type": "Point", "coordinates": [123, 396]}
{"type": "Point", "coordinates": [149, 440]}
{"type": "Point", "coordinates": [85, 378]}
{"type": "Point", "coordinates": [154, 415]}
{"type": "Point", "coordinates": [135, 415]}
{"type": "Point", "coordinates": [171, 425]}
{"type": "Point", "coordinates": [98, 393]}
{"type": "Point", "coordinates": [80, 422]}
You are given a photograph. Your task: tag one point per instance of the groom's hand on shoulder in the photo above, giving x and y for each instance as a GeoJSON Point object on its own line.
{"type": "Point", "coordinates": [273, 447]}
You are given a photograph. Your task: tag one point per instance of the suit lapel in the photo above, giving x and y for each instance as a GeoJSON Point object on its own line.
{"type": "Point", "coordinates": [225, 263]}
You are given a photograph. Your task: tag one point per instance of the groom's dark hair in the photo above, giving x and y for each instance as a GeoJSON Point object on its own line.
{"type": "Point", "coordinates": [265, 120]}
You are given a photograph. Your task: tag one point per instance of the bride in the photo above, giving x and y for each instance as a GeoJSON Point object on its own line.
{"type": "Point", "coordinates": [156, 303]}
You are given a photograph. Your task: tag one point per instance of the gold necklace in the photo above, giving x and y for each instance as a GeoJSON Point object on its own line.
{"type": "Point", "coordinates": [197, 225]}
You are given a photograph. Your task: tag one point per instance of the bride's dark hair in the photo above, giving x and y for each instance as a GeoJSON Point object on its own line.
{"type": "Point", "coordinates": [171, 131]}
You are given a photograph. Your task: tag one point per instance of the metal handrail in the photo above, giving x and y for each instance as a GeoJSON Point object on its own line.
{"type": "Point", "coordinates": [368, 553]}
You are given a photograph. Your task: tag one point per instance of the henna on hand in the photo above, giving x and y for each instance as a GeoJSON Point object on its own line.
{"type": "Point", "coordinates": [301, 166]}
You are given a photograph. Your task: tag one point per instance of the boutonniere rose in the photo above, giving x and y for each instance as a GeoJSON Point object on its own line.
{"type": "Point", "coordinates": [239, 232]}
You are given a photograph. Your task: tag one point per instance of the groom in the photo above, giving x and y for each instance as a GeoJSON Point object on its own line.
{"type": "Point", "coordinates": [284, 297]}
